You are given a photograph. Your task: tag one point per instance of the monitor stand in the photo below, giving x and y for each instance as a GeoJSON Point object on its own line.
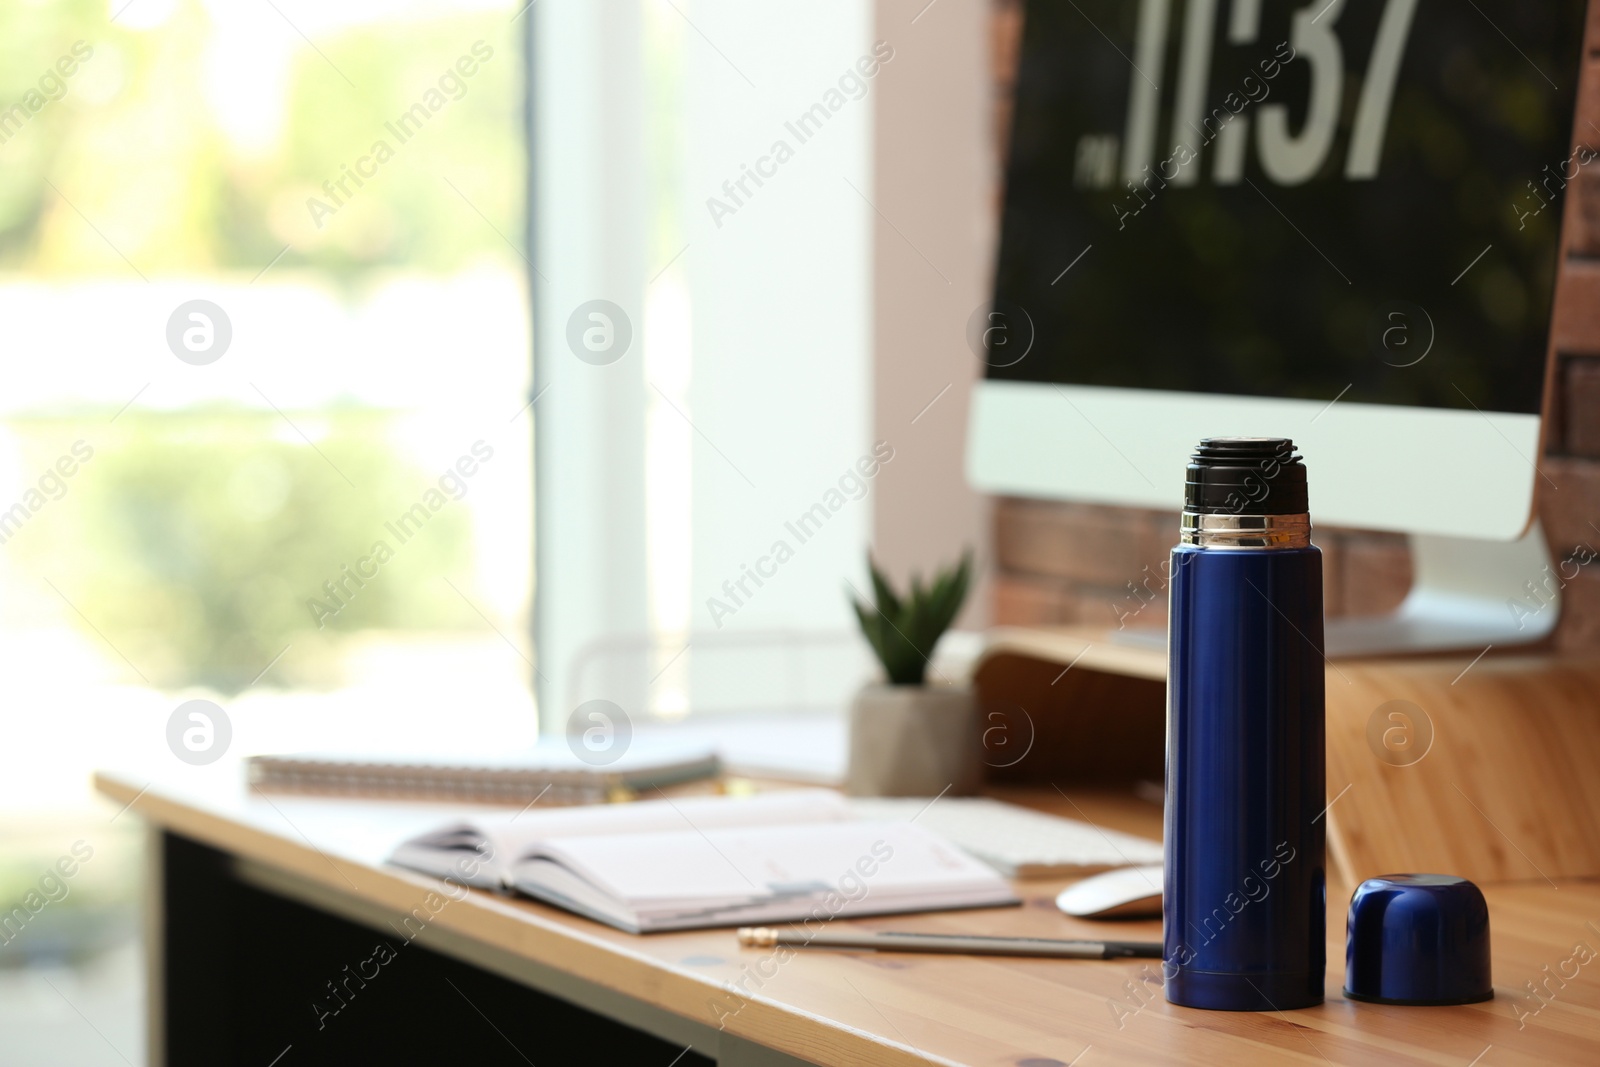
{"type": "Point", "coordinates": [1465, 594]}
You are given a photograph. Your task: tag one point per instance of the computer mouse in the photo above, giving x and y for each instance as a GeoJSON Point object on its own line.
{"type": "Point", "coordinates": [1125, 893]}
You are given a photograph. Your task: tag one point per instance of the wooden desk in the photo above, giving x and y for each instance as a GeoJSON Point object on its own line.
{"type": "Point", "coordinates": [1501, 784]}
{"type": "Point", "coordinates": [260, 901]}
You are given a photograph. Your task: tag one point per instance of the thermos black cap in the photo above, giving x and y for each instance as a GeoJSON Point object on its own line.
{"type": "Point", "coordinates": [1245, 476]}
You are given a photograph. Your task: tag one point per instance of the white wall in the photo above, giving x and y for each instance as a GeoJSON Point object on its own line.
{"type": "Point", "coordinates": [588, 215]}
{"type": "Point", "coordinates": [933, 161]}
{"type": "Point", "coordinates": [745, 396]}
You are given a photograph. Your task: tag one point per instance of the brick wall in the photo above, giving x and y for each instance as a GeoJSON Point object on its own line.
{"type": "Point", "coordinates": [1083, 563]}
{"type": "Point", "coordinates": [1062, 563]}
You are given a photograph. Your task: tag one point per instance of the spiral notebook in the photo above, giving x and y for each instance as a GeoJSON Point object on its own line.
{"type": "Point", "coordinates": [550, 773]}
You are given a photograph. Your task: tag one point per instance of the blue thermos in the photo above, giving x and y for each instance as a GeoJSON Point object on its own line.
{"type": "Point", "coordinates": [1245, 899]}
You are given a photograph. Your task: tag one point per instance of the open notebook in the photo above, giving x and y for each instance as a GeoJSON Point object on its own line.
{"type": "Point", "coordinates": [710, 861]}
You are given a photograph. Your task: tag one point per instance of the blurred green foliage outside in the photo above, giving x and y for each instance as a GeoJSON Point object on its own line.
{"type": "Point", "coordinates": [140, 143]}
{"type": "Point", "coordinates": [192, 148]}
{"type": "Point", "coordinates": [194, 541]}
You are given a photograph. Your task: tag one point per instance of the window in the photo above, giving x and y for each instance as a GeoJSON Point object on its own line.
{"type": "Point", "coordinates": [263, 437]}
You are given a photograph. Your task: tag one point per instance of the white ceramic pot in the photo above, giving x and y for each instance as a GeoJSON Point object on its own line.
{"type": "Point", "coordinates": [914, 740]}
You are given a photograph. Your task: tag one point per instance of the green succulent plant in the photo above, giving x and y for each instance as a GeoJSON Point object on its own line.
{"type": "Point", "coordinates": [903, 630]}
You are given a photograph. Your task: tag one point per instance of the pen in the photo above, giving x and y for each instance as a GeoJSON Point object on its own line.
{"type": "Point", "coordinates": [959, 944]}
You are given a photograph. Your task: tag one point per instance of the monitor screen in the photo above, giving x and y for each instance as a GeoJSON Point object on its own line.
{"type": "Point", "coordinates": [1357, 198]}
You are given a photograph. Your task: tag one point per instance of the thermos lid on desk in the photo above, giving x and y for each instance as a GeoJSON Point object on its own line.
{"type": "Point", "coordinates": [1418, 939]}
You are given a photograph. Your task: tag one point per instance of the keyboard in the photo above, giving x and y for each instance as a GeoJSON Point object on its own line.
{"type": "Point", "coordinates": [1018, 842]}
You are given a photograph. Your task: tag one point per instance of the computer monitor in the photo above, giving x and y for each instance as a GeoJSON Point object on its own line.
{"type": "Point", "coordinates": [1335, 221]}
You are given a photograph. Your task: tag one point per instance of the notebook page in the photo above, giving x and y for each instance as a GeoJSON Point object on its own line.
{"type": "Point", "coordinates": [715, 866]}
{"type": "Point", "coordinates": [515, 834]}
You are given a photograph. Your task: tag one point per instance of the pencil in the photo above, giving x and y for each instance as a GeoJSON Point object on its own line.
{"type": "Point", "coordinates": [956, 944]}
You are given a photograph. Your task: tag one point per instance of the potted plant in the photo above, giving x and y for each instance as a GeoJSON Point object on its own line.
{"type": "Point", "coordinates": [910, 737]}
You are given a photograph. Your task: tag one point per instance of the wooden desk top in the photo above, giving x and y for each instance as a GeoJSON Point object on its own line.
{"type": "Point", "coordinates": [901, 1009]}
